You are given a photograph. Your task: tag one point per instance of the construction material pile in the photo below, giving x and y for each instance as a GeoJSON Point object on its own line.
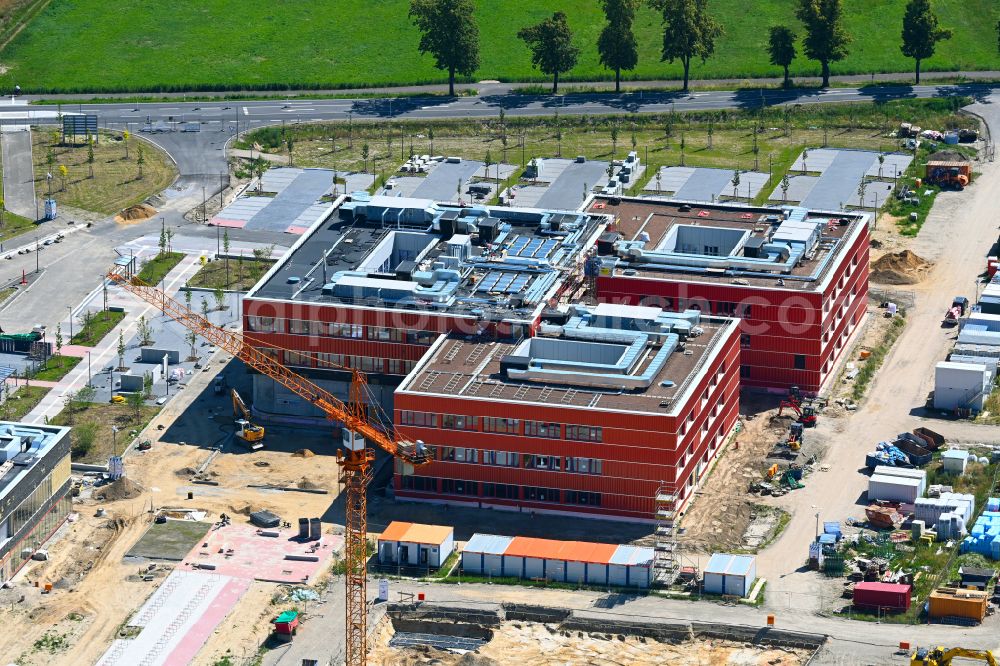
{"type": "Point", "coordinates": [903, 267]}
{"type": "Point", "coordinates": [985, 536]}
{"type": "Point", "coordinates": [122, 489]}
{"type": "Point", "coordinates": [136, 213]}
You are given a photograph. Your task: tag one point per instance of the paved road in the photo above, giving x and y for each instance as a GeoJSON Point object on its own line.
{"type": "Point", "coordinates": [18, 174]}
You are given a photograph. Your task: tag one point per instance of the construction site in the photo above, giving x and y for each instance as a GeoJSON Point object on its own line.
{"type": "Point", "coordinates": [636, 429]}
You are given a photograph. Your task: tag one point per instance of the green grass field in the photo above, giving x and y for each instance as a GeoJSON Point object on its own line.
{"type": "Point", "coordinates": [101, 46]}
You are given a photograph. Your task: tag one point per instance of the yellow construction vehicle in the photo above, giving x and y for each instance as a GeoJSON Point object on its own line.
{"type": "Point", "coordinates": [250, 433]}
{"type": "Point", "coordinates": [940, 656]}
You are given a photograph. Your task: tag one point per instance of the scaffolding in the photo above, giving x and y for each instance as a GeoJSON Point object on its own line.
{"type": "Point", "coordinates": [666, 565]}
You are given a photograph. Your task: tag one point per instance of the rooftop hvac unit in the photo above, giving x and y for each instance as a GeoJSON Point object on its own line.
{"type": "Point", "coordinates": [489, 229]}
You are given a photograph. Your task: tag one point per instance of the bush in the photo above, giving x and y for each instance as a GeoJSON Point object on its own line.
{"type": "Point", "coordinates": [83, 439]}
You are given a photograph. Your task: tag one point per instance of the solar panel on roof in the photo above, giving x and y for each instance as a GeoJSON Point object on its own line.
{"type": "Point", "coordinates": [505, 281]}
{"type": "Point", "coordinates": [488, 282]}
{"type": "Point", "coordinates": [518, 284]}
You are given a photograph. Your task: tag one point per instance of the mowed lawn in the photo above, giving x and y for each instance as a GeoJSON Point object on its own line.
{"type": "Point", "coordinates": [149, 45]}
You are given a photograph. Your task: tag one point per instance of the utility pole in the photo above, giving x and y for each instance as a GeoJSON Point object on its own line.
{"type": "Point", "coordinates": [204, 204]}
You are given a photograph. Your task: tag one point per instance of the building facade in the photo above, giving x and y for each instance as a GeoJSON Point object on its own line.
{"type": "Point", "coordinates": [797, 279]}
{"type": "Point", "coordinates": [592, 419]}
{"type": "Point", "coordinates": [34, 490]}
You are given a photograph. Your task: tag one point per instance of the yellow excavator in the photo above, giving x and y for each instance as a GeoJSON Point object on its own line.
{"type": "Point", "coordinates": [940, 656]}
{"type": "Point", "coordinates": [249, 432]}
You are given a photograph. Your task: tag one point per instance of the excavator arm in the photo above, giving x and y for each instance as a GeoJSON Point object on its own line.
{"type": "Point", "coordinates": [239, 407]}
{"type": "Point", "coordinates": [941, 656]}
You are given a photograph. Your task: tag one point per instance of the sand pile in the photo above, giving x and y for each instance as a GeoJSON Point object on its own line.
{"type": "Point", "coordinates": [122, 489]}
{"type": "Point", "coordinates": [303, 453]}
{"type": "Point", "coordinates": [899, 268]}
{"type": "Point", "coordinates": [136, 213]}
{"type": "Point", "coordinates": [306, 484]}
{"type": "Point", "coordinates": [947, 156]}
{"type": "Point", "coordinates": [185, 471]}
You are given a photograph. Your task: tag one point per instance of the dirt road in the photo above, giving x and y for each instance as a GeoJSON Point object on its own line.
{"type": "Point", "coordinates": [956, 237]}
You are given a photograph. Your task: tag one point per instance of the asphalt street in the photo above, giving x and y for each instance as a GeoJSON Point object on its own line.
{"type": "Point", "coordinates": [18, 181]}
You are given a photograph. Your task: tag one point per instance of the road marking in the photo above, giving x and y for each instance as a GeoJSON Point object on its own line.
{"type": "Point", "coordinates": [297, 110]}
{"type": "Point", "coordinates": [246, 111]}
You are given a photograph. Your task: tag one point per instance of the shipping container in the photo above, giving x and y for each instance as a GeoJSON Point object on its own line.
{"type": "Point", "coordinates": [730, 574]}
{"type": "Point", "coordinates": [893, 489]}
{"type": "Point", "coordinates": [906, 472]}
{"type": "Point", "coordinates": [933, 439]}
{"type": "Point", "coordinates": [955, 602]}
{"type": "Point", "coordinates": [882, 596]}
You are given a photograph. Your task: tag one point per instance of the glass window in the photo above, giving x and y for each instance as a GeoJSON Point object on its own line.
{"type": "Point", "coordinates": [541, 494]}
{"type": "Point", "coordinates": [501, 426]}
{"type": "Point", "coordinates": [584, 433]}
{"type": "Point", "coordinates": [500, 490]}
{"type": "Point", "coordinates": [265, 324]}
{"type": "Point", "coordinates": [459, 422]}
{"type": "Point", "coordinates": [418, 419]}
{"type": "Point", "coordinates": [298, 359]}
{"type": "Point", "coordinates": [329, 360]}
{"type": "Point", "coordinates": [542, 429]}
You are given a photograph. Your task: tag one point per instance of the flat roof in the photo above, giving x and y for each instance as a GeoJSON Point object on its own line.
{"type": "Point", "coordinates": [484, 262]}
{"type": "Point", "coordinates": [22, 447]}
{"type": "Point", "coordinates": [416, 533]}
{"type": "Point", "coordinates": [639, 371]}
{"type": "Point", "coordinates": [730, 565]}
{"type": "Point", "coordinates": [487, 544]}
{"type": "Point", "coordinates": [569, 551]}
{"type": "Point", "coordinates": [651, 222]}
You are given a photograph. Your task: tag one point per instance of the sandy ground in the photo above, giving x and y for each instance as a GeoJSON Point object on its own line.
{"type": "Point", "coordinates": [86, 611]}
{"type": "Point", "coordinates": [544, 645]}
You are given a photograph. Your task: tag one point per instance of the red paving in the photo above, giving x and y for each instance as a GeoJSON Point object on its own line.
{"type": "Point", "coordinates": [75, 350]}
{"type": "Point", "coordinates": [223, 222]}
{"type": "Point", "coordinates": [259, 557]}
{"type": "Point", "coordinates": [297, 230]}
{"type": "Point", "coordinates": [193, 640]}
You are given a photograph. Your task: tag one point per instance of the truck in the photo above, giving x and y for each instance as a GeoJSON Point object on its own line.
{"type": "Point", "coordinates": [958, 308]}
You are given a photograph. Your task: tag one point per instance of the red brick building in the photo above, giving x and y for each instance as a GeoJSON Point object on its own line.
{"type": "Point", "coordinates": [798, 279]}
{"type": "Point", "coordinates": [592, 416]}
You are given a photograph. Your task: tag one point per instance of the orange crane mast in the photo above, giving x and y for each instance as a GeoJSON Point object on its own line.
{"type": "Point", "coordinates": [355, 460]}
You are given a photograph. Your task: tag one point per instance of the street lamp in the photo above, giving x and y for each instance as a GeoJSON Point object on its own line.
{"type": "Point", "coordinates": [70, 308]}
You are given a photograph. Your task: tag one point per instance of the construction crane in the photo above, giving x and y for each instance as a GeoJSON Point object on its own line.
{"type": "Point", "coordinates": [249, 432]}
{"type": "Point", "coordinates": [355, 460]}
{"type": "Point", "coordinates": [940, 656]}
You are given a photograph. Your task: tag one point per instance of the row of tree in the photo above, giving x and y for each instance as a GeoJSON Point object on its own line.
{"type": "Point", "coordinates": [450, 34]}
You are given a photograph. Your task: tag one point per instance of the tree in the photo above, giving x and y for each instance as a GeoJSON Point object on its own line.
{"type": "Point", "coordinates": [63, 172]}
{"type": "Point", "coordinates": [220, 298]}
{"type": "Point", "coordinates": [121, 350]}
{"type": "Point", "coordinates": [192, 339]}
{"type": "Point", "coordinates": [365, 152]}
{"type": "Point", "coordinates": [430, 137]}
{"type": "Point", "coordinates": [225, 248]}
{"type": "Point", "coordinates": [551, 44]}
{"type": "Point", "coordinates": [187, 298]}
{"type": "Point", "coordinates": [290, 143]}
{"type": "Point", "coordinates": [125, 138]}
{"type": "Point", "coordinates": [921, 32]}
{"type": "Point", "coordinates": [135, 401]}
{"type": "Point", "coordinates": [826, 39]}
{"type": "Point", "coordinates": [140, 158]}
{"type": "Point", "coordinates": [488, 162]}
{"type": "Point", "coordinates": [616, 46]}
{"type": "Point", "coordinates": [450, 34]}
{"type": "Point", "coordinates": [84, 436]}
{"type": "Point", "coordinates": [781, 47]}
{"type": "Point", "coordinates": [736, 184]}
{"type": "Point", "coordinates": [785, 184]}
{"type": "Point", "coordinates": [144, 331]}
{"type": "Point", "coordinates": [90, 158]}
{"type": "Point", "coordinates": [147, 385]}
{"type": "Point", "coordinates": [688, 32]}
{"type": "Point", "coordinates": [59, 338]}
{"type": "Point", "coordinates": [3, 209]}
{"type": "Point", "coordinates": [204, 308]}
{"type": "Point", "coordinates": [614, 140]}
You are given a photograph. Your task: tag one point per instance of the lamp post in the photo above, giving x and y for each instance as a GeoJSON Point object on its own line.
{"type": "Point", "coordinates": [70, 308]}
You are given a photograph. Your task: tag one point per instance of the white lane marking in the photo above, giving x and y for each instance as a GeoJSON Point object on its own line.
{"type": "Point", "coordinates": [246, 111]}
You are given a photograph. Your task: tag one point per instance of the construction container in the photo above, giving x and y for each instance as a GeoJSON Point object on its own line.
{"type": "Point", "coordinates": [286, 623]}
{"type": "Point", "coordinates": [483, 554]}
{"type": "Point", "coordinates": [918, 455]}
{"type": "Point", "coordinates": [730, 574]}
{"type": "Point", "coordinates": [882, 596]}
{"type": "Point", "coordinates": [973, 577]}
{"type": "Point", "coordinates": [908, 473]}
{"type": "Point", "coordinates": [954, 461]}
{"type": "Point", "coordinates": [935, 166]}
{"type": "Point", "coordinates": [414, 545]}
{"type": "Point", "coordinates": [934, 440]}
{"type": "Point", "coordinates": [958, 603]}
{"type": "Point", "coordinates": [893, 488]}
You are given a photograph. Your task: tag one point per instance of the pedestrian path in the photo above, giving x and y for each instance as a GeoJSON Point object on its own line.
{"type": "Point", "coordinates": [106, 351]}
{"type": "Point", "coordinates": [18, 174]}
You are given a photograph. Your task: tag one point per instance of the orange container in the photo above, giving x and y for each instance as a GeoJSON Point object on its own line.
{"type": "Point", "coordinates": [904, 645]}
{"type": "Point", "coordinates": [48, 587]}
{"type": "Point", "coordinates": [770, 620]}
{"type": "Point", "coordinates": [865, 353]}
{"type": "Point", "coordinates": [954, 602]}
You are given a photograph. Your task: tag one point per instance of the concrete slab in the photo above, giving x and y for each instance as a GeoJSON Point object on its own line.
{"type": "Point", "coordinates": [18, 174]}
{"type": "Point", "coordinates": [527, 196]}
{"type": "Point", "coordinates": [567, 191]}
{"type": "Point", "coordinates": [799, 188]}
{"type": "Point", "coordinates": [671, 179]}
{"type": "Point", "coordinates": [505, 171]}
{"type": "Point", "coordinates": [247, 554]}
{"type": "Point", "coordinates": [818, 161]}
{"type": "Point", "coordinates": [293, 198]}
{"type": "Point", "coordinates": [751, 183]}
{"type": "Point", "coordinates": [357, 181]}
{"type": "Point", "coordinates": [876, 194]}
{"type": "Point", "coordinates": [892, 164]}
{"type": "Point", "coordinates": [840, 180]}
{"type": "Point", "coordinates": [705, 185]}
{"type": "Point", "coordinates": [171, 540]}
{"type": "Point", "coordinates": [441, 184]}
{"type": "Point", "coordinates": [177, 619]}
